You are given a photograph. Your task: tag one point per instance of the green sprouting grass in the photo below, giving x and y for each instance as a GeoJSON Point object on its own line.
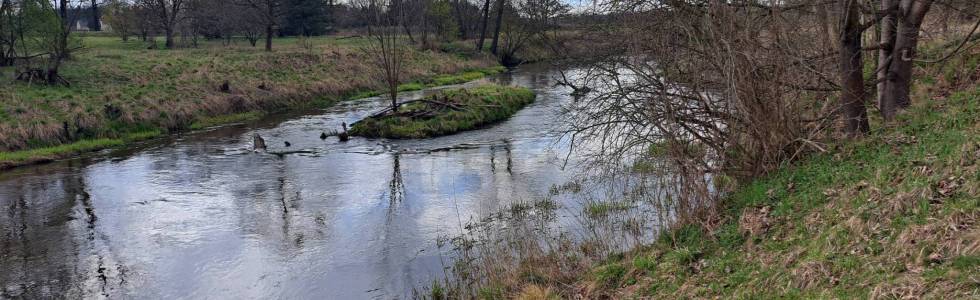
{"type": "Point", "coordinates": [466, 76]}
{"type": "Point", "coordinates": [142, 135]}
{"type": "Point", "coordinates": [49, 153]}
{"type": "Point", "coordinates": [609, 275]}
{"type": "Point", "coordinates": [43, 154]}
{"type": "Point", "coordinates": [481, 106]}
{"type": "Point", "coordinates": [881, 215]}
{"type": "Point", "coordinates": [600, 209]}
{"type": "Point", "coordinates": [206, 122]}
{"type": "Point", "coordinates": [411, 86]}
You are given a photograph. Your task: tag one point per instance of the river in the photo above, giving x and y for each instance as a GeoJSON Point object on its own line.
{"type": "Point", "coordinates": [201, 216]}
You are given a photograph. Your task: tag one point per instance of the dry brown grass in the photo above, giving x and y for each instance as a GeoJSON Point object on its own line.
{"type": "Point", "coordinates": [170, 89]}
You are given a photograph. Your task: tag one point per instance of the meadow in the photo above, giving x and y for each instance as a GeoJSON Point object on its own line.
{"type": "Point", "coordinates": [121, 89]}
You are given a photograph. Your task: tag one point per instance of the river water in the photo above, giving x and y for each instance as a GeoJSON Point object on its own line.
{"type": "Point", "coordinates": [201, 216]}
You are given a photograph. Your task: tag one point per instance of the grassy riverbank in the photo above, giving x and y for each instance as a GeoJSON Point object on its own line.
{"type": "Point", "coordinates": [447, 112]}
{"type": "Point", "coordinates": [893, 215]}
{"type": "Point", "coordinates": [121, 89]}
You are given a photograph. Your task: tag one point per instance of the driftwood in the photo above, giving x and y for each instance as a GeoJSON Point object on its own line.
{"type": "Point", "coordinates": [343, 136]}
{"type": "Point", "coordinates": [454, 106]}
{"type": "Point", "coordinates": [258, 143]}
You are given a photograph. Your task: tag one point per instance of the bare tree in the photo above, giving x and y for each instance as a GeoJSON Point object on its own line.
{"type": "Point", "coordinates": [852, 65]}
{"type": "Point", "coordinates": [388, 47]}
{"type": "Point", "coordinates": [908, 16]}
{"type": "Point", "coordinates": [8, 33]}
{"type": "Point", "coordinates": [483, 26]}
{"type": "Point", "coordinates": [96, 20]}
{"type": "Point", "coordinates": [167, 14]}
{"type": "Point", "coordinates": [501, 6]}
{"type": "Point", "coordinates": [43, 33]}
{"type": "Point", "coordinates": [121, 16]}
{"type": "Point", "coordinates": [269, 12]}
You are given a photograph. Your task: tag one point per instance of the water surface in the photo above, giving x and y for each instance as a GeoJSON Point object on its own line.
{"type": "Point", "coordinates": [201, 216]}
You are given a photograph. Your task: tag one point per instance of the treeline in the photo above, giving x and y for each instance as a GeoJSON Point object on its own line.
{"type": "Point", "coordinates": [422, 21]}
{"type": "Point", "coordinates": [38, 33]}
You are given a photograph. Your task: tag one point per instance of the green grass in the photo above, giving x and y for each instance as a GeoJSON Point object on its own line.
{"type": "Point", "coordinates": [610, 275]}
{"type": "Point", "coordinates": [601, 209]}
{"type": "Point", "coordinates": [206, 122]}
{"type": "Point", "coordinates": [45, 154]}
{"type": "Point", "coordinates": [11, 159]}
{"type": "Point", "coordinates": [477, 107]}
{"type": "Point", "coordinates": [119, 88]}
{"type": "Point", "coordinates": [122, 85]}
{"type": "Point", "coordinates": [888, 215]}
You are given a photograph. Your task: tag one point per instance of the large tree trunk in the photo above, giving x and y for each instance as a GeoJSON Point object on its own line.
{"type": "Point", "coordinates": [483, 28]}
{"type": "Point", "coordinates": [169, 31]}
{"type": "Point", "coordinates": [52, 75]}
{"type": "Point", "coordinates": [496, 32]}
{"type": "Point", "coordinates": [268, 37]}
{"type": "Point", "coordinates": [96, 22]}
{"type": "Point", "coordinates": [887, 43]}
{"type": "Point", "coordinates": [899, 77]}
{"type": "Point", "coordinates": [65, 27]}
{"type": "Point", "coordinates": [853, 111]}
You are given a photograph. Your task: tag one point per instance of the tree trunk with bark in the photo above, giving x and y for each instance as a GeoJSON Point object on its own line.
{"type": "Point", "coordinates": [169, 32]}
{"type": "Point", "coordinates": [268, 37]}
{"type": "Point", "coordinates": [887, 44]}
{"type": "Point", "coordinates": [483, 27]}
{"type": "Point", "coordinates": [899, 76]}
{"type": "Point", "coordinates": [853, 110]}
{"type": "Point", "coordinates": [96, 21]}
{"type": "Point", "coordinates": [496, 33]}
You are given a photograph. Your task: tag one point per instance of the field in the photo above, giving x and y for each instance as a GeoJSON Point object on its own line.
{"type": "Point", "coordinates": [122, 89]}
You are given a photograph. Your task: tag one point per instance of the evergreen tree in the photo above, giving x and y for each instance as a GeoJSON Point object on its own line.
{"type": "Point", "coordinates": [306, 17]}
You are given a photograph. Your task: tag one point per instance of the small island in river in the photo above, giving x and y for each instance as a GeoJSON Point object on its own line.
{"type": "Point", "coordinates": [446, 113]}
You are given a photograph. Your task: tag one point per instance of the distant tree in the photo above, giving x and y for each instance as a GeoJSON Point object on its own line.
{"type": "Point", "coordinates": [8, 33]}
{"type": "Point", "coordinates": [438, 20]}
{"type": "Point", "coordinates": [166, 14]}
{"type": "Point", "coordinates": [269, 12]}
{"type": "Point", "coordinates": [305, 17]}
{"type": "Point", "coordinates": [45, 32]}
{"type": "Point", "coordinates": [466, 16]}
{"type": "Point", "coordinates": [121, 16]}
{"type": "Point", "coordinates": [483, 25]}
{"type": "Point", "coordinates": [96, 21]}
{"type": "Point", "coordinates": [501, 8]}
{"type": "Point", "coordinates": [145, 22]}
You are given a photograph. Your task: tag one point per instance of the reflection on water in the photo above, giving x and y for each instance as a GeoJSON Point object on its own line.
{"type": "Point", "coordinates": [201, 216]}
